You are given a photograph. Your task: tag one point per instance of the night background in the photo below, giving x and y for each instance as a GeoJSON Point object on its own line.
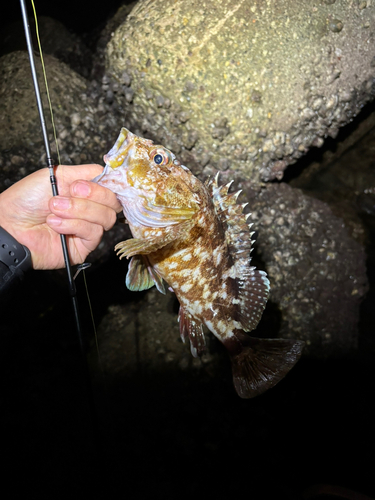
{"type": "Point", "coordinates": [174, 434]}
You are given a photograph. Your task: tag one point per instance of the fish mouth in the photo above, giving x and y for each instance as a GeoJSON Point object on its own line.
{"type": "Point", "coordinates": [116, 156]}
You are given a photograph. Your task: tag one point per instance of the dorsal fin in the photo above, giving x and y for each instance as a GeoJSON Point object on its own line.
{"type": "Point", "coordinates": [234, 221]}
{"type": "Point", "coordinates": [253, 285]}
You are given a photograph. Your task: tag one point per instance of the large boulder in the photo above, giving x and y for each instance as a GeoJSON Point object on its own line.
{"type": "Point", "coordinates": [318, 280]}
{"type": "Point", "coordinates": [297, 234]}
{"type": "Point", "coordinates": [247, 85]}
{"type": "Point", "coordinates": [316, 269]}
{"type": "Point", "coordinates": [55, 40]}
{"type": "Point", "coordinates": [145, 336]}
{"type": "Point", "coordinates": [81, 128]}
{"type": "Point", "coordinates": [85, 125]}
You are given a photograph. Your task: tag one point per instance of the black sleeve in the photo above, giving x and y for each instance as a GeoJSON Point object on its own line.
{"type": "Point", "coordinates": [15, 260]}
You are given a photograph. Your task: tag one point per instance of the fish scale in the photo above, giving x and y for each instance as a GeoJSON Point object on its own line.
{"type": "Point", "coordinates": [196, 238]}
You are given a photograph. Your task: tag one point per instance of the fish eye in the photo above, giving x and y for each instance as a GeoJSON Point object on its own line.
{"type": "Point", "coordinates": [160, 156]}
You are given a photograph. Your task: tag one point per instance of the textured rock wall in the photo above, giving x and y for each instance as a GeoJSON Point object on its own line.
{"type": "Point", "coordinates": [85, 126]}
{"type": "Point", "coordinates": [317, 272]}
{"type": "Point", "coordinates": [246, 85]}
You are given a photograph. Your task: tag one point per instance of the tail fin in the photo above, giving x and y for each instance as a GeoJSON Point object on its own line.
{"type": "Point", "coordinates": [259, 364]}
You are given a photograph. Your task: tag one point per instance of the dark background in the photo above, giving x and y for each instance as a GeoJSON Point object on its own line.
{"type": "Point", "coordinates": [165, 437]}
{"type": "Point", "coordinates": [80, 16]}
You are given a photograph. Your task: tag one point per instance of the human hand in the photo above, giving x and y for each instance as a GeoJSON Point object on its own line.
{"type": "Point", "coordinates": [82, 211]}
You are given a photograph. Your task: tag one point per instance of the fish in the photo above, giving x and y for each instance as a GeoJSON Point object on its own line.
{"type": "Point", "coordinates": [195, 237]}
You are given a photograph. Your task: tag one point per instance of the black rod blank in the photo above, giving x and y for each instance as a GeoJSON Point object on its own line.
{"type": "Point", "coordinates": [51, 166]}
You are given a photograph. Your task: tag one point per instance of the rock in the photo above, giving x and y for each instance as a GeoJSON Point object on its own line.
{"type": "Point", "coordinates": [280, 78]}
{"type": "Point", "coordinates": [356, 140]}
{"type": "Point", "coordinates": [144, 338]}
{"type": "Point", "coordinates": [344, 177]}
{"type": "Point", "coordinates": [72, 105]}
{"type": "Point", "coordinates": [85, 125]}
{"type": "Point", "coordinates": [55, 39]}
{"type": "Point", "coordinates": [105, 35]}
{"type": "Point", "coordinates": [317, 271]}
{"type": "Point", "coordinates": [318, 280]}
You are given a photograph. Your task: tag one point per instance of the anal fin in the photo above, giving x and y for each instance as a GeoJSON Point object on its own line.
{"type": "Point", "coordinates": [193, 330]}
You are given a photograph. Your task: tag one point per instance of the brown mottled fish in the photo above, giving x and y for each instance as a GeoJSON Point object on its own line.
{"type": "Point", "coordinates": [195, 237]}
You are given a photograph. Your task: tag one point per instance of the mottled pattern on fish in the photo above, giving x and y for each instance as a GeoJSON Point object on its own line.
{"type": "Point", "coordinates": [196, 238]}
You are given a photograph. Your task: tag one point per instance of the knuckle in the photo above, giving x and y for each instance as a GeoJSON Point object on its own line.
{"type": "Point", "coordinates": [98, 232]}
{"type": "Point", "coordinates": [112, 221]}
{"type": "Point", "coordinates": [105, 196]}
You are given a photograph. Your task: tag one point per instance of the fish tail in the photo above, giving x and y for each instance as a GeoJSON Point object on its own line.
{"type": "Point", "coordinates": [259, 364]}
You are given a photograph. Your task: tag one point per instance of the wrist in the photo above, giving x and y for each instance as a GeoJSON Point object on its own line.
{"type": "Point", "coordinates": [5, 221]}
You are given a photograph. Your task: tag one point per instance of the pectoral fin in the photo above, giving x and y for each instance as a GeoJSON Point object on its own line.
{"type": "Point", "coordinates": [141, 276]}
{"type": "Point", "coordinates": [138, 246]}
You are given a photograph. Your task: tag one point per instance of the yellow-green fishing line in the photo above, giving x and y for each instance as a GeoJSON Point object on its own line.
{"type": "Point", "coordinates": [59, 160]}
{"type": "Point", "coordinates": [45, 81]}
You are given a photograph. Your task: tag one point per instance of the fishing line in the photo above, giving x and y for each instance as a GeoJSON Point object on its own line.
{"type": "Point", "coordinates": [83, 266]}
{"type": "Point", "coordinates": [93, 322]}
{"type": "Point", "coordinates": [46, 82]}
{"type": "Point", "coordinates": [51, 166]}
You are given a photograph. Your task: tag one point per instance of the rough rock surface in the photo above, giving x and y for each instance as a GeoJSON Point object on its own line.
{"type": "Point", "coordinates": [144, 338]}
{"type": "Point", "coordinates": [318, 280]}
{"type": "Point", "coordinates": [88, 121]}
{"type": "Point", "coordinates": [343, 175]}
{"type": "Point", "coordinates": [351, 155]}
{"type": "Point", "coordinates": [56, 40]}
{"type": "Point", "coordinates": [317, 271]}
{"type": "Point", "coordinates": [244, 85]}
{"type": "Point", "coordinates": [74, 115]}
{"type": "Point", "coordinates": [105, 35]}
{"type": "Point", "coordinates": [85, 126]}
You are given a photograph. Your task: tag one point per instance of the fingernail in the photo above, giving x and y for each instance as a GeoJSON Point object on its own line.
{"type": "Point", "coordinates": [81, 189]}
{"type": "Point", "coordinates": [61, 203]}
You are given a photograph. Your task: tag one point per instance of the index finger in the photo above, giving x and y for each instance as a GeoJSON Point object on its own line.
{"type": "Point", "coordinates": [67, 182]}
{"type": "Point", "coordinates": [66, 174]}
{"type": "Point", "coordinates": [95, 192]}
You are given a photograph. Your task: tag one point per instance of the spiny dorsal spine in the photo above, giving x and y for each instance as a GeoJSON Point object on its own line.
{"type": "Point", "coordinates": [253, 285]}
{"type": "Point", "coordinates": [234, 221]}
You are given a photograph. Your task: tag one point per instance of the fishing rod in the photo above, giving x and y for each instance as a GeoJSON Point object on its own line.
{"type": "Point", "coordinates": [52, 166]}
